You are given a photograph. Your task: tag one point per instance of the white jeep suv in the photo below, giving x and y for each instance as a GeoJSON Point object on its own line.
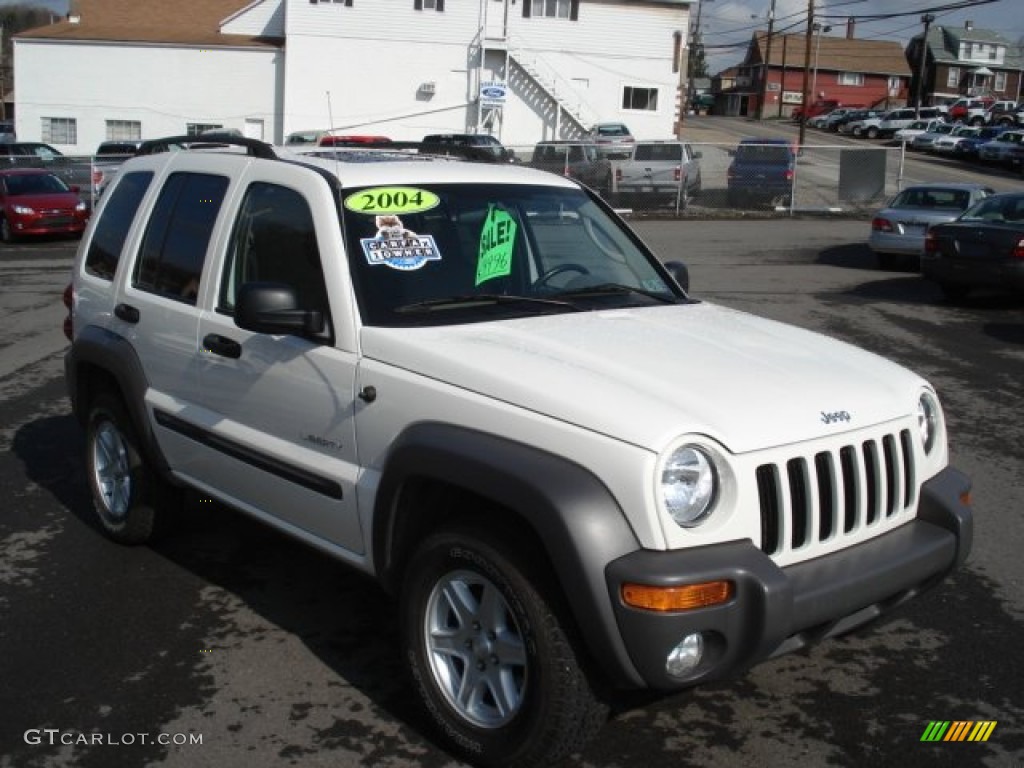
{"type": "Point", "coordinates": [477, 385]}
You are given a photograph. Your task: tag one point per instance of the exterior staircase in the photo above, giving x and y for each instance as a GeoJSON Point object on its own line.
{"type": "Point", "coordinates": [545, 79]}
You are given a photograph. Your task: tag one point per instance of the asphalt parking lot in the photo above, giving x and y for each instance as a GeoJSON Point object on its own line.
{"type": "Point", "coordinates": [275, 655]}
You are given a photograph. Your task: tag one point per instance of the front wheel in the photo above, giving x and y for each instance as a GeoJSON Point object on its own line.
{"type": "Point", "coordinates": [6, 233]}
{"type": "Point", "coordinates": [494, 668]}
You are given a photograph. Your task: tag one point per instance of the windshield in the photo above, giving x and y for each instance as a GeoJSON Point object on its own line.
{"type": "Point", "coordinates": [459, 253]}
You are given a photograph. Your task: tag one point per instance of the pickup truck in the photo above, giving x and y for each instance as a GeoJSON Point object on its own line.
{"type": "Point", "coordinates": [83, 173]}
{"type": "Point", "coordinates": [658, 171]}
{"type": "Point", "coordinates": [762, 170]}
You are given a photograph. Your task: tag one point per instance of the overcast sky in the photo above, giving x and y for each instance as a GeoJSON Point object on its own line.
{"type": "Point", "coordinates": [727, 25]}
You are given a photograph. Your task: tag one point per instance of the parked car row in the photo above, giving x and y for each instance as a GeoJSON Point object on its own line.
{"type": "Point", "coordinates": [962, 236]}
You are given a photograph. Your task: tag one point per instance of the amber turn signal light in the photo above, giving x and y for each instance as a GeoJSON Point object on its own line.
{"type": "Point", "coordinates": [683, 598]}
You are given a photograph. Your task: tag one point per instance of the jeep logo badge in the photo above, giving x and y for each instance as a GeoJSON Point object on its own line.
{"type": "Point", "coordinates": [832, 418]}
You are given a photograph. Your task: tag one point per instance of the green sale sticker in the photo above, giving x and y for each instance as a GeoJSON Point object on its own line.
{"type": "Point", "coordinates": [497, 241]}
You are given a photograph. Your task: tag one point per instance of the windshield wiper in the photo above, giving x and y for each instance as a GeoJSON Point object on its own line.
{"type": "Point", "coordinates": [483, 299]}
{"type": "Point", "coordinates": [619, 288]}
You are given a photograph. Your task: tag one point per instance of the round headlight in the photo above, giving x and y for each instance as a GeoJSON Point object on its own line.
{"type": "Point", "coordinates": [927, 421]}
{"type": "Point", "coordinates": [688, 485]}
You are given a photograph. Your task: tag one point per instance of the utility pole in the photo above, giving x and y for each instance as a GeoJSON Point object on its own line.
{"type": "Point", "coordinates": [922, 66]}
{"type": "Point", "coordinates": [807, 74]}
{"type": "Point", "coordinates": [767, 62]}
{"type": "Point", "coordinates": [691, 61]}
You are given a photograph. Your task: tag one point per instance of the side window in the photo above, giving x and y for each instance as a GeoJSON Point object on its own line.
{"type": "Point", "coordinates": [112, 228]}
{"type": "Point", "coordinates": [274, 240]}
{"type": "Point", "coordinates": [178, 233]}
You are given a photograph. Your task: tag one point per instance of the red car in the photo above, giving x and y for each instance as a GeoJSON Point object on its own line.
{"type": "Point", "coordinates": [34, 201]}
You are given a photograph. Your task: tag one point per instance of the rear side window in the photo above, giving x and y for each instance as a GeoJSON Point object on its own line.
{"type": "Point", "coordinates": [658, 152]}
{"type": "Point", "coordinates": [112, 228]}
{"type": "Point", "coordinates": [178, 233]}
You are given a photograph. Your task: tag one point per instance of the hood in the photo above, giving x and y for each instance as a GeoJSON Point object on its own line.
{"type": "Point", "coordinates": [648, 375]}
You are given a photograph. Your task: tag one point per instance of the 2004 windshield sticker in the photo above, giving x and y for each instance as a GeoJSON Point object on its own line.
{"type": "Point", "coordinates": [394, 245]}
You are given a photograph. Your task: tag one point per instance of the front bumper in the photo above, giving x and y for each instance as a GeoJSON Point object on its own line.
{"type": "Point", "coordinates": [775, 610]}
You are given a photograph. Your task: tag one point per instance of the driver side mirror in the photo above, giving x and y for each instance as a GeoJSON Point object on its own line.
{"type": "Point", "coordinates": [679, 273]}
{"type": "Point", "coordinates": [274, 308]}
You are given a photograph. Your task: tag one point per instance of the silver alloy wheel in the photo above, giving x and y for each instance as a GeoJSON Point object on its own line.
{"type": "Point", "coordinates": [112, 469]}
{"type": "Point", "coordinates": [475, 649]}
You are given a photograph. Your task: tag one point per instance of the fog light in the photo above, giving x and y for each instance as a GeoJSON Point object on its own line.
{"type": "Point", "coordinates": [685, 657]}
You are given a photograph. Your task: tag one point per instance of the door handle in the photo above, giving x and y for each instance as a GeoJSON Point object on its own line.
{"type": "Point", "coordinates": [222, 345]}
{"type": "Point", "coordinates": [127, 313]}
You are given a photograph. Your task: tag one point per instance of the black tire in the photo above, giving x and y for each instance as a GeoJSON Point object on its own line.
{"type": "Point", "coordinates": [125, 489]}
{"type": "Point", "coordinates": [954, 292]}
{"type": "Point", "coordinates": [872, 132]}
{"type": "Point", "coordinates": [6, 233]}
{"type": "Point", "coordinates": [547, 709]}
{"type": "Point", "coordinates": [887, 262]}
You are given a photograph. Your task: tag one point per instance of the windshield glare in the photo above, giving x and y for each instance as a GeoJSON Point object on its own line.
{"type": "Point", "coordinates": [468, 252]}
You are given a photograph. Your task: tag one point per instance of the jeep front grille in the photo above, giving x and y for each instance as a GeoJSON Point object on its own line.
{"type": "Point", "coordinates": [839, 492]}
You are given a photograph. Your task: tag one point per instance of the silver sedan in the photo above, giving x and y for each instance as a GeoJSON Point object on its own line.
{"type": "Point", "coordinates": [898, 230]}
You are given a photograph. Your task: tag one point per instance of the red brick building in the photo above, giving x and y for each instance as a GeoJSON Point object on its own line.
{"type": "Point", "coordinates": [844, 69]}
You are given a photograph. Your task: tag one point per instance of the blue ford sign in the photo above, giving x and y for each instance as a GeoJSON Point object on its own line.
{"type": "Point", "coordinates": [493, 94]}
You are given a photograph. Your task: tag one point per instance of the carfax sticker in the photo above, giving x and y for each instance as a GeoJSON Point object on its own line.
{"type": "Point", "coordinates": [398, 247]}
{"type": "Point", "coordinates": [381, 200]}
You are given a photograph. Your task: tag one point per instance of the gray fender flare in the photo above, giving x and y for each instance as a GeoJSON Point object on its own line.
{"type": "Point", "coordinates": [115, 356]}
{"type": "Point", "coordinates": [573, 514]}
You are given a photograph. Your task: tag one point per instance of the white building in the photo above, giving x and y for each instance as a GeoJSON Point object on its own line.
{"type": "Point", "coordinates": [129, 69]}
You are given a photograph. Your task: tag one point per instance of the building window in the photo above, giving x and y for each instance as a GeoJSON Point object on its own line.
{"type": "Point", "coordinates": [428, 5]}
{"type": "Point", "coordinates": [851, 78]}
{"type": "Point", "coordinates": [194, 129]}
{"type": "Point", "coordinates": [644, 99]}
{"type": "Point", "coordinates": [953, 77]}
{"type": "Point", "coordinates": [1000, 84]}
{"type": "Point", "coordinates": [552, 9]}
{"type": "Point", "coordinates": [124, 130]}
{"type": "Point", "coordinates": [60, 130]}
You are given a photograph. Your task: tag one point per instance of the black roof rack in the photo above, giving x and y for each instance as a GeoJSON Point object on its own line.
{"type": "Point", "coordinates": [254, 147]}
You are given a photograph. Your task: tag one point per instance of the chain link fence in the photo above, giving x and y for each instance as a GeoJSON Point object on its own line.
{"type": "Point", "coordinates": [834, 179]}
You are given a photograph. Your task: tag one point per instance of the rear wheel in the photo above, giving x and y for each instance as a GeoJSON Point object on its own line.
{"type": "Point", "coordinates": [954, 291]}
{"type": "Point", "coordinates": [125, 489]}
{"type": "Point", "coordinates": [872, 132]}
{"type": "Point", "coordinates": [887, 262]}
{"type": "Point", "coordinates": [490, 659]}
